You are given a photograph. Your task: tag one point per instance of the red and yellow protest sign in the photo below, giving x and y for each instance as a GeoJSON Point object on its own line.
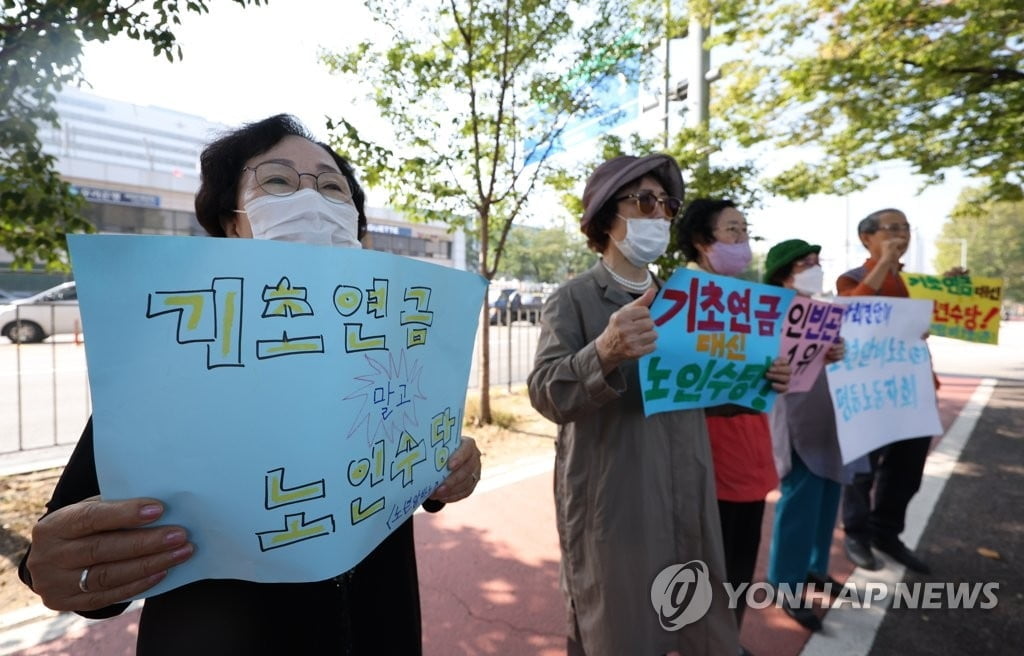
{"type": "Point", "coordinates": [966, 307]}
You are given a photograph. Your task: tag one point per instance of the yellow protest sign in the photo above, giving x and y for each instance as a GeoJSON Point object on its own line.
{"type": "Point", "coordinates": [966, 307]}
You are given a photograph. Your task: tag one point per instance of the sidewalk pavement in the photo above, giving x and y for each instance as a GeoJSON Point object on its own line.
{"type": "Point", "coordinates": [489, 566]}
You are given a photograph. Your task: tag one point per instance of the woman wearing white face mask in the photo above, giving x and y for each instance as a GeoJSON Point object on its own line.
{"type": "Point", "coordinates": [807, 455]}
{"type": "Point", "coordinates": [633, 494]}
{"type": "Point", "coordinates": [713, 237]}
{"type": "Point", "coordinates": [270, 180]}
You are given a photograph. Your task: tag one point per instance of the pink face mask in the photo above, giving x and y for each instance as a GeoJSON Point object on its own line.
{"type": "Point", "coordinates": [729, 259]}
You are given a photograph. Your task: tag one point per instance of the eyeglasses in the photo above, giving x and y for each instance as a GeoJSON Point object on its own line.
{"type": "Point", "coordinates": [740, 232]}
{"type": "Point", "coordinates": [895, 227]}
{"type": "Point", "coordinates": [647, 202]}
{"type": "Point", "coordinates": [282, 180]}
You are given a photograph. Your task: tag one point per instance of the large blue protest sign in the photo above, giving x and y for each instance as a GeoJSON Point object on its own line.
{"type": "Point", "coordinates": [883, 389]}
{"type": "Point", "coordinates": [717, 336]}
{"type": "Point", "coordinates": [290, 404]}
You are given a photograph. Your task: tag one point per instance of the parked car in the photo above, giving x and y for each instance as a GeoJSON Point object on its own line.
{"type": "Point", "coordinates": [511, 304]}
{"type": "Point", "coordinates": [7, 296]}
{"type": "Point", "coordinates": [50, 312]}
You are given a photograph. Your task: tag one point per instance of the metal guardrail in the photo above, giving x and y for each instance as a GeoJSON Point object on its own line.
{"type": "Point", "coordinates": [44, 393]}
{"type": "Point", "coordinates": [513, 346]}
{"type": "Point", "coordinates": [45, 398]}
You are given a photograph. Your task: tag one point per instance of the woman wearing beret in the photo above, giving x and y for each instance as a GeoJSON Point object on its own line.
{"type": "Point", "coordinates": [634, 495]}
{"type": "Point", "coordinates": [807, 457]}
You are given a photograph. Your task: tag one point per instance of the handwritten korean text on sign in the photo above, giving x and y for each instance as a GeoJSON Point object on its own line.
{"type": "Point", "coordinates": [717, 336]}
{"type": "Point", "coordinates": [290, 404]}
{"type": "Point", "coordinates": [811, 328]}
{"type": "Point", "coordinates": [883, 390]}
{"type": "Point", "coordinates": [966, 307]}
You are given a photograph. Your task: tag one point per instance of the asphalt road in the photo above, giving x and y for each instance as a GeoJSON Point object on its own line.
{"type": "Point", "coordinates": [975, 536]}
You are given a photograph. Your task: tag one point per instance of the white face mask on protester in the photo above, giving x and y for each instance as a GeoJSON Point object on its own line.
{"type": "Point", "coordinates": [645, 241]}
{"type": "Point", "coordinates": [305, 217]}
{"type": "Point", "coordinates": [809, 281]}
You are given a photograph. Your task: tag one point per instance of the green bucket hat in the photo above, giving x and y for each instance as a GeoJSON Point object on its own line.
{"type": "Point", "coordinates": [785, 252]}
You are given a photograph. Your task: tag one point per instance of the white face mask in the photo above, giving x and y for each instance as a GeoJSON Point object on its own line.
{"type": "Point", "coordinates": [809, 281]}
{"type": "Point", "coordinates": [305, 217]}
{"type": "Point", "coordinates": [646, 240]}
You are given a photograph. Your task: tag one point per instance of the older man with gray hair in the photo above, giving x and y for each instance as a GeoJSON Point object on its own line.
{"type": "Point", "coordinates": [895, 469]}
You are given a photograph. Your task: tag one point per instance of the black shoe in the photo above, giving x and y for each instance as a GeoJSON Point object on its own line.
{"type": "Point", "coordinates": [825, 583]}
{"type": "Point", "coordinates": [898, 551]}
{"type": "Point", "coordinates": [805, 617]}
{"type": "Point", "coordinates": [859, 553]}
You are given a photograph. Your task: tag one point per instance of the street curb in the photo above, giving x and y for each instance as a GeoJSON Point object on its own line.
{"type": "Point", "coordinates": [15, 618]}
{"type": "Point", "coordinates": [35, 459]}
{"type": "Point", "coordinates": [35, 625]}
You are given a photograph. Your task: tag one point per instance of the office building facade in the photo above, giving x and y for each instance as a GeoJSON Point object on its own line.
{"type": "Point", "coordinates": [137, 167]}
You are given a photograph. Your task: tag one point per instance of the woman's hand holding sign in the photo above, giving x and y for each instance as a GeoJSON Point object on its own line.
{"type": "Point", "coordinates": [95, 553]}
{"type": "Point", "coordinates": [464, 466]}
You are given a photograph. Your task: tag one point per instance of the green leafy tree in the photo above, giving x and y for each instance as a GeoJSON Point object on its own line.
{"type": "Point", "coordinates": [40, 47]}
{"type": "Point", "coordinates": [995, 242]}
{"type": "Point", "coordinates": [931, 83]}
{"type": "Point", "coordinates": [550, 255]}
{"type": "Point", "coordinates": [477, 93]}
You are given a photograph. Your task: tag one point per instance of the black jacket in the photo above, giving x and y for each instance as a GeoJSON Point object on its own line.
{"type": "Point", "coordinates": [371, 609]}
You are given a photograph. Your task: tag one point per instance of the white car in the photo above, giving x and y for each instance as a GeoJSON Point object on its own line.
{"type": "Point", "coordinates": [9, 297]}
{"type": "Point", "coordinates": [50, 312]}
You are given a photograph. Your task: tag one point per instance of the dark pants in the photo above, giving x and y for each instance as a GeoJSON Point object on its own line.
{"type": "Point", "coordinates": [896, 471]}
{"type": "Point", "coordinates": [741, 537]}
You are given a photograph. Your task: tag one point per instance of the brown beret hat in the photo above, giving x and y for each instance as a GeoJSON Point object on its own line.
{"type": "Point", "coordinates": [614, 174]}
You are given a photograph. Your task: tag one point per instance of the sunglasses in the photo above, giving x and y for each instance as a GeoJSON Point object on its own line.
{"type": "Point", "coordinates": [647, 202]}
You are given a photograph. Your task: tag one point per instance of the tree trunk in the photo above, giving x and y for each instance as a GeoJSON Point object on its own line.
{"type": "Point", "coordinates": [485, 366]}
{"type": "Point", "coordinates": [485, 328]}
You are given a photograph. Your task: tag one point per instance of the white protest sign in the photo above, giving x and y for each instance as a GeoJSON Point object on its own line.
{"type": "Point", "coordinates": [883, 390]}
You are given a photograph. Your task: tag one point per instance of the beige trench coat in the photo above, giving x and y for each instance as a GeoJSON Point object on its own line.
{"type": "Point", "coordinates": [633, 495]}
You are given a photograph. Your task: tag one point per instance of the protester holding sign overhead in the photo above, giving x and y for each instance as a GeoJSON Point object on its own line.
{"type": "Point", "coordinates": [633, 495]}
{"type": "Point", "coordinates": [807, 455]}
{"type": "Point", "coordinates": [877, 519]}
{"type": "Point", "coordinates": [713, 237]}
{"type": "Point", "coordinates": [266, 180]}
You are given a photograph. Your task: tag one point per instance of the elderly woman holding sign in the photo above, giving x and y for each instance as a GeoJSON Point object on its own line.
{"type": "Point", "coordinates": [266, 180]}
{"type": "Point", "coordinates": [634, 495]}
{"type": "Point", "coordinates": [713, 237]}
{"type": "Point", "coordinates": [807, 455]}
